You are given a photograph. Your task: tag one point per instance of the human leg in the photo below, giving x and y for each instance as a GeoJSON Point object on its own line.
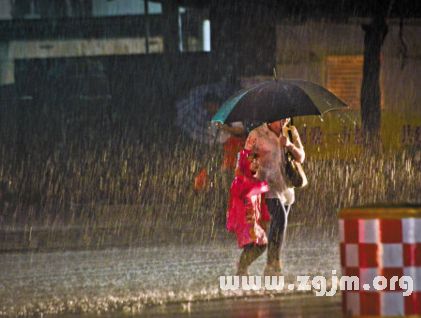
{"type": "Point", "coordinates": [279, 217]}
{"type": "Point", "coordinates": [249, 254]}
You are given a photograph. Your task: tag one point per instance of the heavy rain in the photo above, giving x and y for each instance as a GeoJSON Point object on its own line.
{"type": "Point", "coordinates": [100, 215]}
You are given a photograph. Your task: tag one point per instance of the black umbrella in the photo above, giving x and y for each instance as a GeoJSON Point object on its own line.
{"type": "Point", "coordinates": [273, 100]}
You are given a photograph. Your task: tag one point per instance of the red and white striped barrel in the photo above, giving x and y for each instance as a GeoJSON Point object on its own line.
{"type": "Point", "coordinates": [381, 242]}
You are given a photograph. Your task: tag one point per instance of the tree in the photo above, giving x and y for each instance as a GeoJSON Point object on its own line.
{"type": "Point", "coordinates": [375, 33]}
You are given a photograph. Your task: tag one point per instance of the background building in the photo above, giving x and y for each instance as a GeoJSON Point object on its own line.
{"type": "Point", "coordinates": [331, 54]}
{"type": "Point", "coordinates": [120, 58]}
{"type": "Point", "coordinates": [132, 59]}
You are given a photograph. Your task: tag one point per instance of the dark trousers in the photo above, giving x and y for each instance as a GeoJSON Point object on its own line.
{"type": "Point", "coordinates": [278, 224]}
{"type": "Point", "coordinates": [249, 254]}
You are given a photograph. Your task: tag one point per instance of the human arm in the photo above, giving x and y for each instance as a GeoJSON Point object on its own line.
{"type": "Point", "coordinates": [295, 148]}
{"type": "Point", "coordinates": [251, 142]}
{"type": "Point", "coordinates": [238, 131]}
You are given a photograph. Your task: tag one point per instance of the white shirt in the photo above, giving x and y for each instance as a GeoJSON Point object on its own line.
{"type": "Point", "coordinates": [266, 143]}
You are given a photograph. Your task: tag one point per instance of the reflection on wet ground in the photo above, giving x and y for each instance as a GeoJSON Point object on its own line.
{"type": "Point", "coordinates": [133, 280]}
{"type": "Point", "coordinates": [291, 306]}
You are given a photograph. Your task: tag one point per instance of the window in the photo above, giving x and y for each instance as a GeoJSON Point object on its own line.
{"type": "Point", "coordinates": [187, 29]}
{"type": "Point", "coordinates": [194, 30]}
{"type": "Point", "coordinates": [154, 7]}
{"type": "Point", "coordinates": [37, 9]}
{"type": "Point", "coordinates": [344, 76]}
{"type": "Point", "coordinates": [148, 37]}
{"type": "Point", "coordinates": [117, 7]}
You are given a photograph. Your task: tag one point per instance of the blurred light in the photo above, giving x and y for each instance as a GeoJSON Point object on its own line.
{"type": "Point", "coordinates": [206, 36]}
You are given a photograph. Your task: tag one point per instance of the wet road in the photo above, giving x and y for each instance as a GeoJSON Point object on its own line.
{"type": "Point", "coordinates": [145, 280]}
{"type": "Point", "coordinates": [291, 306]}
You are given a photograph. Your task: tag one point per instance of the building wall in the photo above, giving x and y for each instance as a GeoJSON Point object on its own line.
{"type": "Point", "coordinates": [82, 47]}
{"type": "Point", "coordinates": [308, 50]}
{"type": "Point", "coordinates": [6, 65]}
{"type": "Point", "coordinates": [303, 50]}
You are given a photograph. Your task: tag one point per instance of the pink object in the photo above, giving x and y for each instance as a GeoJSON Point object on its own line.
{"type": "Point", "coordinates": [247, 210]}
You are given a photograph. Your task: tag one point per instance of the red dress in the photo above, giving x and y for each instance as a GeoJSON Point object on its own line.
{"type": "Point", "coordinates": [247, 209]}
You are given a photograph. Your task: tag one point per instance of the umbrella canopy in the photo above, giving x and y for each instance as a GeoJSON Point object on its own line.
{"type": "Point", "coordinates": [273, 100]}
{"type": "Point", "coordinates": [194, 119]}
